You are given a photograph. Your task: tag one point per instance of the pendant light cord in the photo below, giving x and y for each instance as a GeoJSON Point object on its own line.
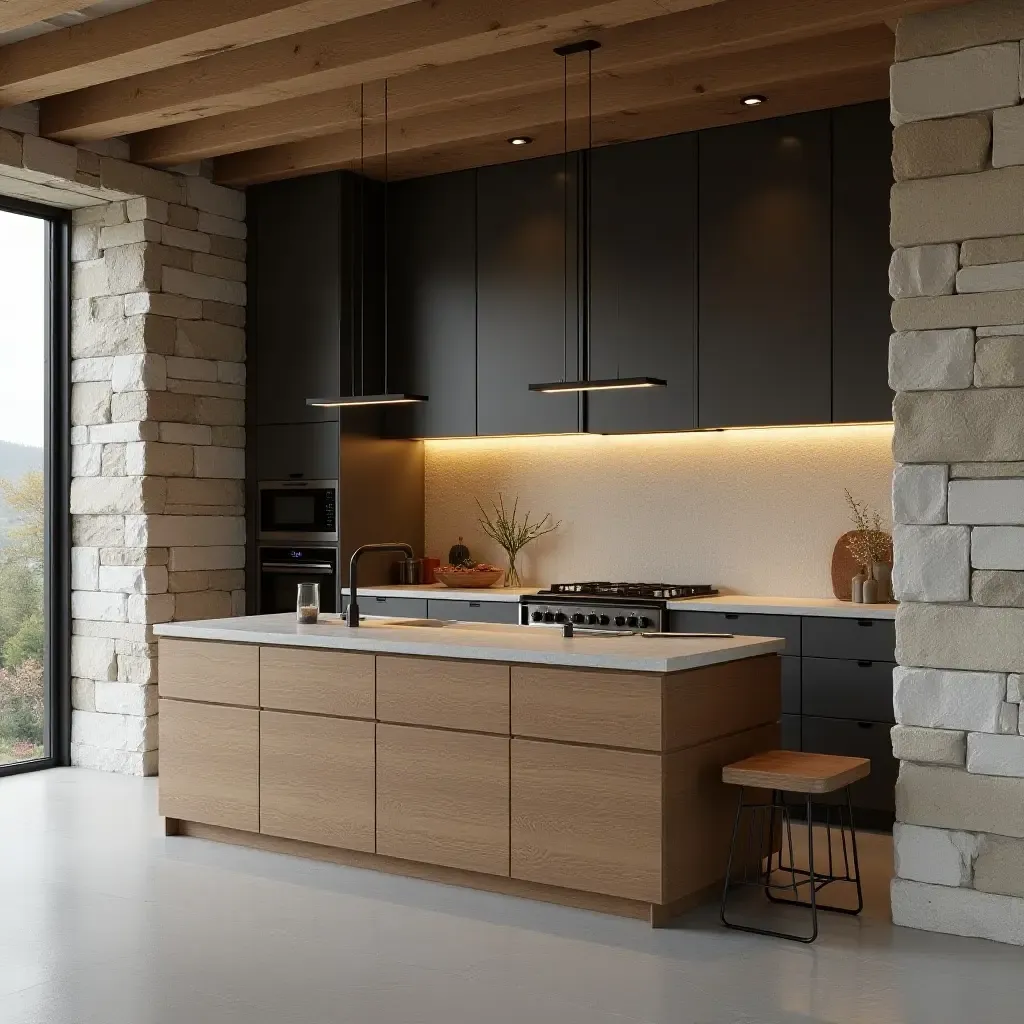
{"type": "Point", "coordinates": [565, 216]}
{"type": "Point", "coordinates": [386, 245]}
{"type": "Point", "coordinates": [588, 204]}
{"type": "Point", "coordinates": [362, 253]}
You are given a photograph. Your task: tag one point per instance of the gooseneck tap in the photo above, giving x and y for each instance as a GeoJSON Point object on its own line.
{"type": "Point", "coordinates": [352, 615]}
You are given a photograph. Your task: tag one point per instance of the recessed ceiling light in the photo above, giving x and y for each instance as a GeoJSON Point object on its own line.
{"type": "Point", "coordinates": [520, 140]}
{"type": "Point", "coordinates": [754, 101]}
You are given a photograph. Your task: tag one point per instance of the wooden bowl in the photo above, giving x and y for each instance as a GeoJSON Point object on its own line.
{"type": "Point", "coordinates": [473, 580]}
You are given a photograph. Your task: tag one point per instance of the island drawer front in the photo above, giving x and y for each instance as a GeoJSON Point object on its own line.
{"type": "Point", "coordinates": [210, 671]}
{"type": "Point", "coordinates": [740, 623]}
{"type": "Point", "coordinates": [857, 639]}
{"type": "Point", "coordinates": [859, 690]}
{"type": "Point", "coordinates": [443, 798]}
{"type": "Point", "coordinates": [506, 612]}
{"type": "Point", "coordinates": [470, 695]}
{"type": "Point", "coordinates": [316, 681]}
{"type": "Point", "coordinates": [317, 780]}
{"type": "Point", "coordinates": [210, 762]}
{"type": "Point", "coordinates": [613, 709]}
{"type": "Point", "coordinates": [587, 818]}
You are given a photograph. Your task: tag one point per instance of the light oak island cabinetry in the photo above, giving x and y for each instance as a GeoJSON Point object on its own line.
{"type": "Point", "coordinates": [591, 787]}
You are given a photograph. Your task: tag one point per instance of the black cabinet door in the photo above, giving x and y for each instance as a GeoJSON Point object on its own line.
{"type": "Point", "coordinates": [526, 316]}
{"type": "Point", "coordinates": [861, 180]}
{"type": "Point", "coordinates": [765, 317]}
{"type": "Point", "coordinates": [296, 324]}
{"type": "Point", "coordinates": [432, 303]}
{"type": "Point", "coordinates": [643, 244]}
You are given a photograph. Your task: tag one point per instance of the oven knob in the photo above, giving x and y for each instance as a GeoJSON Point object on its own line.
{"type": "Point", "coordinates": [559, 616]}
{"type": "Point", "coordinates": [549, 616]}
{"type": "Point", "coordinates": [632, 621]}
{"type": "Point", "coordinates": [643, 621]}
{"type": "Point", "coordinates": [578, 618]}
{"type": "Point", "coordinates": [604, 620]}
{"type": "Point", "coordinates": [591, 620]}
{"type": "Point", "coordinates": [620, 620]}
{"type": "Point", "coordinates": [537, 616]}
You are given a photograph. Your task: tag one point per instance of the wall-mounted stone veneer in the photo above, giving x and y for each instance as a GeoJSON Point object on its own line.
{"type": "Point", "coordinates": [157, 412]}
{"type": "Point", "coordinates": [957, 365]}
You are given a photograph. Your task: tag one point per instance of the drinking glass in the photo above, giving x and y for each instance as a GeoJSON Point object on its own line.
{"type": "Point", "coordinates": [307, 605]}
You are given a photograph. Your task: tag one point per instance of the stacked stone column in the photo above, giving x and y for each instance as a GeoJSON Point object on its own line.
{"type": "Point", "coordinates": [957, 365]}
{"type": "Point", "coordinates": [158, 446]}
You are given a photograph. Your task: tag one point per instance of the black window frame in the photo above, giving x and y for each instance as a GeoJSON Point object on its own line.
{"type": "Point", "coordinates": [57, 487]}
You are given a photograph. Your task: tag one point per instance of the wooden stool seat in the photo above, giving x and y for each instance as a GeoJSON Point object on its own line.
{"type": "Point", "coordinates": [796, 772]}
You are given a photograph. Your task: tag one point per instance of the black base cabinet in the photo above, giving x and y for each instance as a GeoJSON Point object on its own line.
{"type": "Point", "coordinates": [836, 692]}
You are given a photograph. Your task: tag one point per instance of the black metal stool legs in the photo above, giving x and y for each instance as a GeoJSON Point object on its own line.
{"type": "Point", "coordinates": [763, 852]}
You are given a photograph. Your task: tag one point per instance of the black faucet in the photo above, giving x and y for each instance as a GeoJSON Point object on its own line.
{"type": "Point", "coordinates": [352, 615]}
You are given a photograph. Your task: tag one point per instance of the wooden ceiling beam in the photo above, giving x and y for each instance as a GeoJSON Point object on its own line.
{"type": "Point", "coordinates": [19, 13]}
{"type": "Point", "coordinates": [694, 115]}
{"type": "Point", "coordinates": [702, 32]}
{"type": "Point", "coordinates": [156, 35]}
{"type": "Point", "coordinates": [381, 45]}
{"type": "Point", "coordinates": [616, 100]}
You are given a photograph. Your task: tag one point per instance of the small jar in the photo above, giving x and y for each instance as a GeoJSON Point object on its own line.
{"type": "Point", "coordinates": [857, 588]}
{"type": "Point", "coordinates": [307, 603]}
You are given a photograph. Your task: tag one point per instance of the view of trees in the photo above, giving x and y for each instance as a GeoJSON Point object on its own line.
{"type": "Point", "coordinates": [22, 623]}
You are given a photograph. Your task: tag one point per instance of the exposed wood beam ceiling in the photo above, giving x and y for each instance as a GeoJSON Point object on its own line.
{"type": "Point", "coordinates": [695, 85]}
{"type": "Point", "coordinates": [18, 13]}
{"type": "Point", "coordinates": [271, 88]}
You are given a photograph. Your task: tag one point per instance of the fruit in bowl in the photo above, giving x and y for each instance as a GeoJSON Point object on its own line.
{"type": "Point", "coordinates": [469, 566]}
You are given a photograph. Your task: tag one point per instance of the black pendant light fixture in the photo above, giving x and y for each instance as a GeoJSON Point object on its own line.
{"type": "Point", "coordinates": [387, 397]}
{"type": "Point", "coordinates": [587, 46]}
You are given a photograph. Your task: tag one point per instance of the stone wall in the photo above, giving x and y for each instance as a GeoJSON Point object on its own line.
{"type": "Point", "coordinates": [157, 414]}
{"type": "Point", "coordinates": [957, 365]}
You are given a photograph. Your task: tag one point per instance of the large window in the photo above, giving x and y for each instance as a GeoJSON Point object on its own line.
{"type": "Point", "coordinates": [34, 620]}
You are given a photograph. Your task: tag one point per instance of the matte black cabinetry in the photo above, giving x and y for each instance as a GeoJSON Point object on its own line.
{"type": "Point", "coordinates": [526, 317]}
{"type": "Point", "coordinates": [643, 234]}
{"type": "Point", "coordinates": [432, 303]}
{"type": "Point", "coordinates": [765, 273]}
{"type": "Point", "coordinates": [300, 320]}
{"type": "Point", "coordinates": [861, 180]}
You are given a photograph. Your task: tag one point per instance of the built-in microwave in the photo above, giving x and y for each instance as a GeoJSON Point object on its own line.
{"type": "Point", "coordinates": [298, 510]}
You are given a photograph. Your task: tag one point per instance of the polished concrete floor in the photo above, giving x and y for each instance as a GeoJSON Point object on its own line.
{"type": "Point", "coordinates": [105, 921]}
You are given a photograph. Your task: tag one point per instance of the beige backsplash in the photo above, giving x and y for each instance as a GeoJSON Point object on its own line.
{"type": "Point", "coordinates": [753, 511]}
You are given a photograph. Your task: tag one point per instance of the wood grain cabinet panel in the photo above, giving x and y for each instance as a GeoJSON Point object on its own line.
{"type": "Point", "coordinates": [615, 709]}
{"type": "Point", "coordinates": [471, 695]}
{"type": "Point", "coordinates": [317, 779]}
{"type": "Point", "coordinates": [318, 682]}
{"type": "Point", "coordinates": [443, 798]}
{"type": "Point", "coordinates": [207, 670]}
{"type": "Point", "coordinates": [209, 764]}
{"type": "Point", "coordinates": [587, 819]}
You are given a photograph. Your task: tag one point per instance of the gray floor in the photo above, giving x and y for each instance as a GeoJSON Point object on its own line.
{"type": "Point", "coordinates": [104, 921]}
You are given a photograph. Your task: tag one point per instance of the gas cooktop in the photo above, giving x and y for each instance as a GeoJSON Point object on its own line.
{"type": "Point", "coordinates": [635, 606]}
{"type": "Point", "coordinates": [642, 591]}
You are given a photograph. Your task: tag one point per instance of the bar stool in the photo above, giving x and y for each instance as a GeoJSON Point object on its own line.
{"type": "Point", "coordinates": [810, 775]}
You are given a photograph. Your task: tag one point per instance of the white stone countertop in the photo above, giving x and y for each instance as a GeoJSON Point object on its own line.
{"type": "Point", "coordinates": [480, 642]}
{"type": "Point", "coordinates": [753, 604]}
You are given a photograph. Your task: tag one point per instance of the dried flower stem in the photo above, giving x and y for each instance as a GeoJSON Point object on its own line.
{"type": "Point", "coordinates": [511, 533]}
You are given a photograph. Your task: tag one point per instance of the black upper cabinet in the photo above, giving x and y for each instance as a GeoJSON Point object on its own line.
{"type": "Point", "coordinates": [861, 180]}
{"type": "Point", "coordinates": [432, 302]}
{"type": "Point", "coordinates": [765, 310]}
{"type": "Point", "coordinates": [526, 316]}
{"type": "Point", "coordinates": [300, 317]}
{"type": "Point", "coordinates": [643, 245]}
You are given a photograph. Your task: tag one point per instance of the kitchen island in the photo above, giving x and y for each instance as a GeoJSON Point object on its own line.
{"type": "Point", "coordinates": [582, 770]}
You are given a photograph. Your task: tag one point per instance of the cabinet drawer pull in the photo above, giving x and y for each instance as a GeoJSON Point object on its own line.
{"type": "Point", "coordinates": [867, 623]}
{"type": "Point", "coordinates": [380, 600]}
{"type": "Point", "coordinates": [731, 615]}
{"type": "Point", "coordinates": [865, 664]}
{"type": "Point", "coordinates": [865, 725]}
{"type": "Point", "coordinates": [474, 604]}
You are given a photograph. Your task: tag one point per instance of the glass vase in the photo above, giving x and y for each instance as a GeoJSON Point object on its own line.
{"type": "Point", "coordinates": [512, 573]}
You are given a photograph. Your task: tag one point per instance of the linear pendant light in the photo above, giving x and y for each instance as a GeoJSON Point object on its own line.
{"type": "Point", "coordinates": [388, 397]}
{"type": "Point", "coordinates": [587, 46]}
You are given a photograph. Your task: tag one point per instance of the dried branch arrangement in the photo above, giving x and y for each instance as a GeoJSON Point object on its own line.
{"type": "Point", "coordinates": [869, 543]}
{"type": "Point", "coordinates": [513, 534]}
